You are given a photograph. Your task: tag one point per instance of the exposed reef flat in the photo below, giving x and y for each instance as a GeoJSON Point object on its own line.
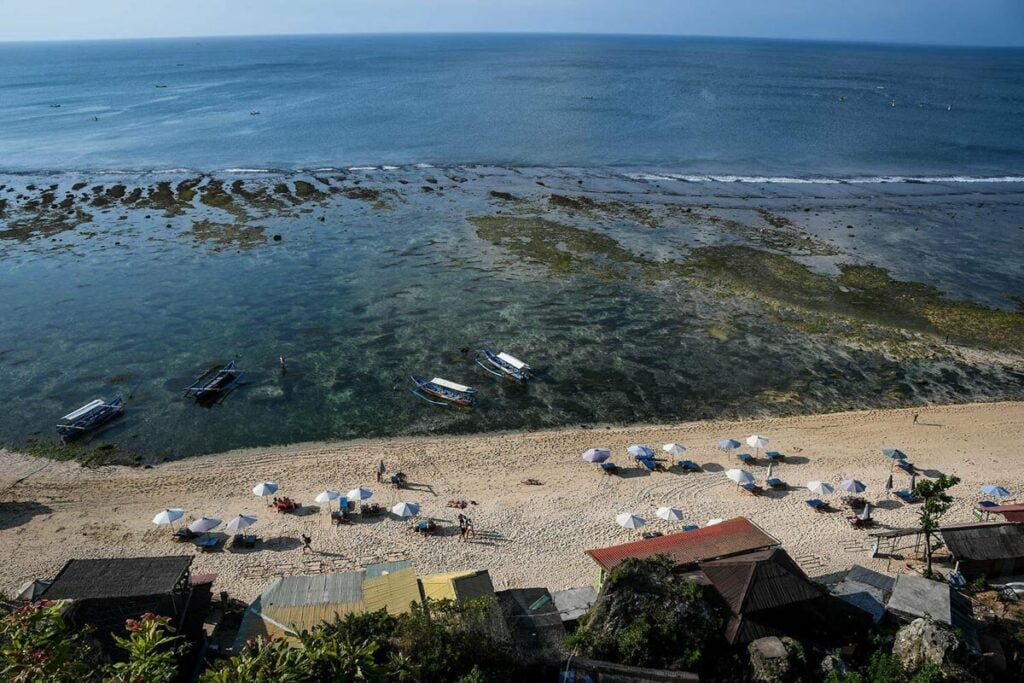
{"type": "Point", "coordinates": [641, 298]}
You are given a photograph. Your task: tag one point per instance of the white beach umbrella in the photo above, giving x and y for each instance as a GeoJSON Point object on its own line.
{"type": "Point", "coordinates": [203, 525]}
{"type": "Point", "coordinates": [406, 509]}
{"type": "Point", "coordinates": [670, 514]}
{"type": "Point", "coordinates": [629, 520]}
{"type": "Point", "coordinates": [265, 489]}
{"type": "Point", "coordinates": [995, 490]}
{"type": "Point", "coordinates": [740, 476]}
{"type": "Point", "coordinates": [674, 448]}
{"type": "Point", "coordinates": [821, 488]}
{"type": "Point", "coordinates": [640, 451]}
{"type": "Point", "coordinates": [361, 493]}
{"type": "Point", "coordinates": [852, 486]}
{"type": "Point", "coordinates": [327, 496]}
{"type": "Point", "coordinates": [768, 476]}
{"type": "Point", "coordinates": [596, 455]}
{"type": "Point", "coordinates": [714, 520]}
{"type": "Point", "coordinates": [728, 444]}
{"type": "Point", "coordinates": [240, 522]}
{"type": "Point", "coordinates": [758, 442]}
{"type": "Point", "coordinates": [168, 516]}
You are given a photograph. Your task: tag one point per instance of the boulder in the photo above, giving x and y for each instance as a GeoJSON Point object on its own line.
{"type": "Point", "coordinates": [923, 642]}
{"type": "Point", "coordinates": [770, 658]}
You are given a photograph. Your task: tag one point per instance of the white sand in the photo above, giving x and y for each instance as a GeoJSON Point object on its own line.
{"type": "Point", "coordinates": [528, 535]}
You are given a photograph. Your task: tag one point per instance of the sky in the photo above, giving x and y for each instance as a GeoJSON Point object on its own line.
{"type": "Point", "coordinates": [944, 22]}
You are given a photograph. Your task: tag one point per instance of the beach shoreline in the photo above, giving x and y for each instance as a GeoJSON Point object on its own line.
{"type": "Point", "coordinates": [52, 511]}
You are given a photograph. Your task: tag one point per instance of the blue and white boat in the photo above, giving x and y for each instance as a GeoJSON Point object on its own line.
{"type": "Point", "coordinates": [89, 417]}
{"type": "Point", "coordinates": [450, 392]}
{"type": "Point", "coordinates": [504, 365]}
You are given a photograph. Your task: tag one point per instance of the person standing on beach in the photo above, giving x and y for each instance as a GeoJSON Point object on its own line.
{"type": "Point", "coordinates": [381, 469]}
{"type": "Point", "coordinates": [915, 418]}
{"type": "Point", "coordinates": [307, 544]}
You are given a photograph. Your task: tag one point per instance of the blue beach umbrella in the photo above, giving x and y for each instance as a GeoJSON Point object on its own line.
{"type": "Point", "coordinates": [993, 490]}
{"type": "Point", "coordinates": [894, 454]}
{"type": "Point", "coordinates": [597, 455]}
{"type": "Point", "coordinates": [638, 451]}
{"type": "Point", "coordinates": [728, 444]}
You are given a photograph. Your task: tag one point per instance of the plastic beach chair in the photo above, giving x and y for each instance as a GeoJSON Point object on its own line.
{"type": "Point", "coordinates": [906, 496]}
{"type": "Point", "coordinates": [752, 489]}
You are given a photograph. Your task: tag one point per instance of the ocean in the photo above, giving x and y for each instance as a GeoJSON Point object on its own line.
{"type": "Point", "coordinates": [682, 105]}
{"type": "Point", "coordinates": [666, 228]}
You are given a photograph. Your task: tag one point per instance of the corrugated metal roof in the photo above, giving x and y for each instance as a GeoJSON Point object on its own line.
{"type": "Point", "coordinates": [731, 537]}
{"type": "Point", "coordinates": [463, 585]}
{"type": "Point", "coordinates": [394, 591]}
{"type": "Point", "coordinates": [375, 570]}
{"type": "Point", "coordinates": [573, 603]}
{"type": "Point", "coordinates": [118, 577]}
{"type": "Point", "coordinates": [998, 541]}
{"type": "Point", "coordinates": [761, 580]}
{"type": "Point", "coordinates": [316, 589]}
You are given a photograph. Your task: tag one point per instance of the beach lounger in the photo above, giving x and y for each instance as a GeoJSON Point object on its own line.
{"type": "Point", "coordinates": [610, 468]}
{"type": "Point", "coordinates": [859, 522]}
{"type": "Point", "coordinates": [427, 527]}
{"type": "Point", "coordinates": [854, 502]}
{"type": "Point", "coordinates": [185, 534]}
{"type": "Point", "coordinates": [370, 509]}
{"type": "Point", "coordinates": [747, 458]}
{"type": "Point", "coordinates": [752, 489]}
{"type": "Point", "coordinates": [774, 456]}
{"type": "Point", "coordinates": [907, 467]}
{"type": "Point", "coordinates": [906, 496]}
{"type": "Point", "coordinates": [777, 484]}
{"type": "Point", "coordinates": [651, 464]}
{"type": "Point", "coordinates": [817, 504]}
{"type": "Point", "coordinates": [691, 527]}
{"type": "Point", "coordinates": [208, 543]}
{"type": "Point", "coordinates": [246, 540]}
{"type": "Point", "coordinates": [987, 504]}
{"type": "Point", "coordinates": [652, 534]}
{"type": "Point", "coordinates": [689, 466]}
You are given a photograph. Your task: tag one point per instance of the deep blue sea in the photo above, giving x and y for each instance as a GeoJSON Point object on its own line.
{"type": "Point", "coordinates": [689, 105]}
{"type": "Point", "coordinates": [168, 205]}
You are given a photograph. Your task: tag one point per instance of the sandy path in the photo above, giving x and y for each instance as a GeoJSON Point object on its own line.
{"type": "Point", "coordinates": [528, 535]}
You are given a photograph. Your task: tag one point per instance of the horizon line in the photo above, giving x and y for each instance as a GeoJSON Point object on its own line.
{"type": "Point", "coordinates": [837, 41]}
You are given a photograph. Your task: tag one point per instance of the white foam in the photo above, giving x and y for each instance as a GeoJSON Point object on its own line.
{"type": "Point", "coordinates": [787, 180]}
{"type": "Point", "coordinates": [362, 168]}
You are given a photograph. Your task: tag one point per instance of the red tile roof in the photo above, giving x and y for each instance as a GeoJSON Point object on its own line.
{"type": "Point", "coordinates": [733, 536]}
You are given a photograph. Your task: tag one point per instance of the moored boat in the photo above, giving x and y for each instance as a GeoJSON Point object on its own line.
{"type": "Point", "coordinates": [506, 365]}
{"type": "Point", "coordinates": [451, 392]}
{"type": "Point", "coordinates": [213, 383]}
{"type": "Point", "coordinates": [89, 417]}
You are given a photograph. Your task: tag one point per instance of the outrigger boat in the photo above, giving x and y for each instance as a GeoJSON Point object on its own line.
{"type": "Point", "coordinates": [213, 384]}
{"type": "Point", "coordinates": [506, 365]}
{"type": "Point", "coordinates": [450, 392]}
{"type": "Point", "coordinates": [89, 417]}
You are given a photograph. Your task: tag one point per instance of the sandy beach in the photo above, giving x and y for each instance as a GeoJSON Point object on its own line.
{"type": "Point", "coordinates": [528, 535]}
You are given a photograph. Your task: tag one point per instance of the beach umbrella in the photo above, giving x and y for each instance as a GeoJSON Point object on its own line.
{"type": "Point", "coordinates": [630, 521]}
{"type": "Point", "coordinates": [327, 496]}
{"type": "Point", "coordinates": [240, 523]}
{"type": "Point", "coordinates": [168, 516]}
{"type": "Point", "coordinates": [406, 509]}
{"type": "Point", "coordinates": [894, 454]}
{"type": "Point", "coordinates": [729, 444]}
{"type": "Point", "coordinates": [361, 493]}
{"type": "Point", "coordinates": [264, 489]}
{"type": "Point", "coordinates": [913, 482]}
{"type": "Point", "coordinates": [771, 467]}
{"type": "Point", "coordinates": [670, 514]}
{"type": "Point", "coordinates": [852, 486]}
{"type": "Point", "coordinates": [714, 520]}
{"type": "Point", "coordinates": [820, 487]}
{"type": "Point", "coordinates": [203, 525]}
{"type": "Point", "coordinates": [638, 451]}
{"type": "Point", "coordinates": [740, 476]}
{"type": "Point", "coordinates": [597, 455]}
{"type": "Point", "coordinates": [888, 483]}
{"type": "Point", "coordinates": [758, 442]}
{"type": "Point", "coordinates": [988, 490]}
{"type": "Point", "coordinates": [674, 448]}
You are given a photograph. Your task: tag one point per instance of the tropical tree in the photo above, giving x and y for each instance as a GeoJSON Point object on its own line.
{"type": "Point", "coordinates": [153, 652]}
{"type": "Point", "coordinates": [36, 645]}
{"type": "Point", "coordinates": [936, 503]}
